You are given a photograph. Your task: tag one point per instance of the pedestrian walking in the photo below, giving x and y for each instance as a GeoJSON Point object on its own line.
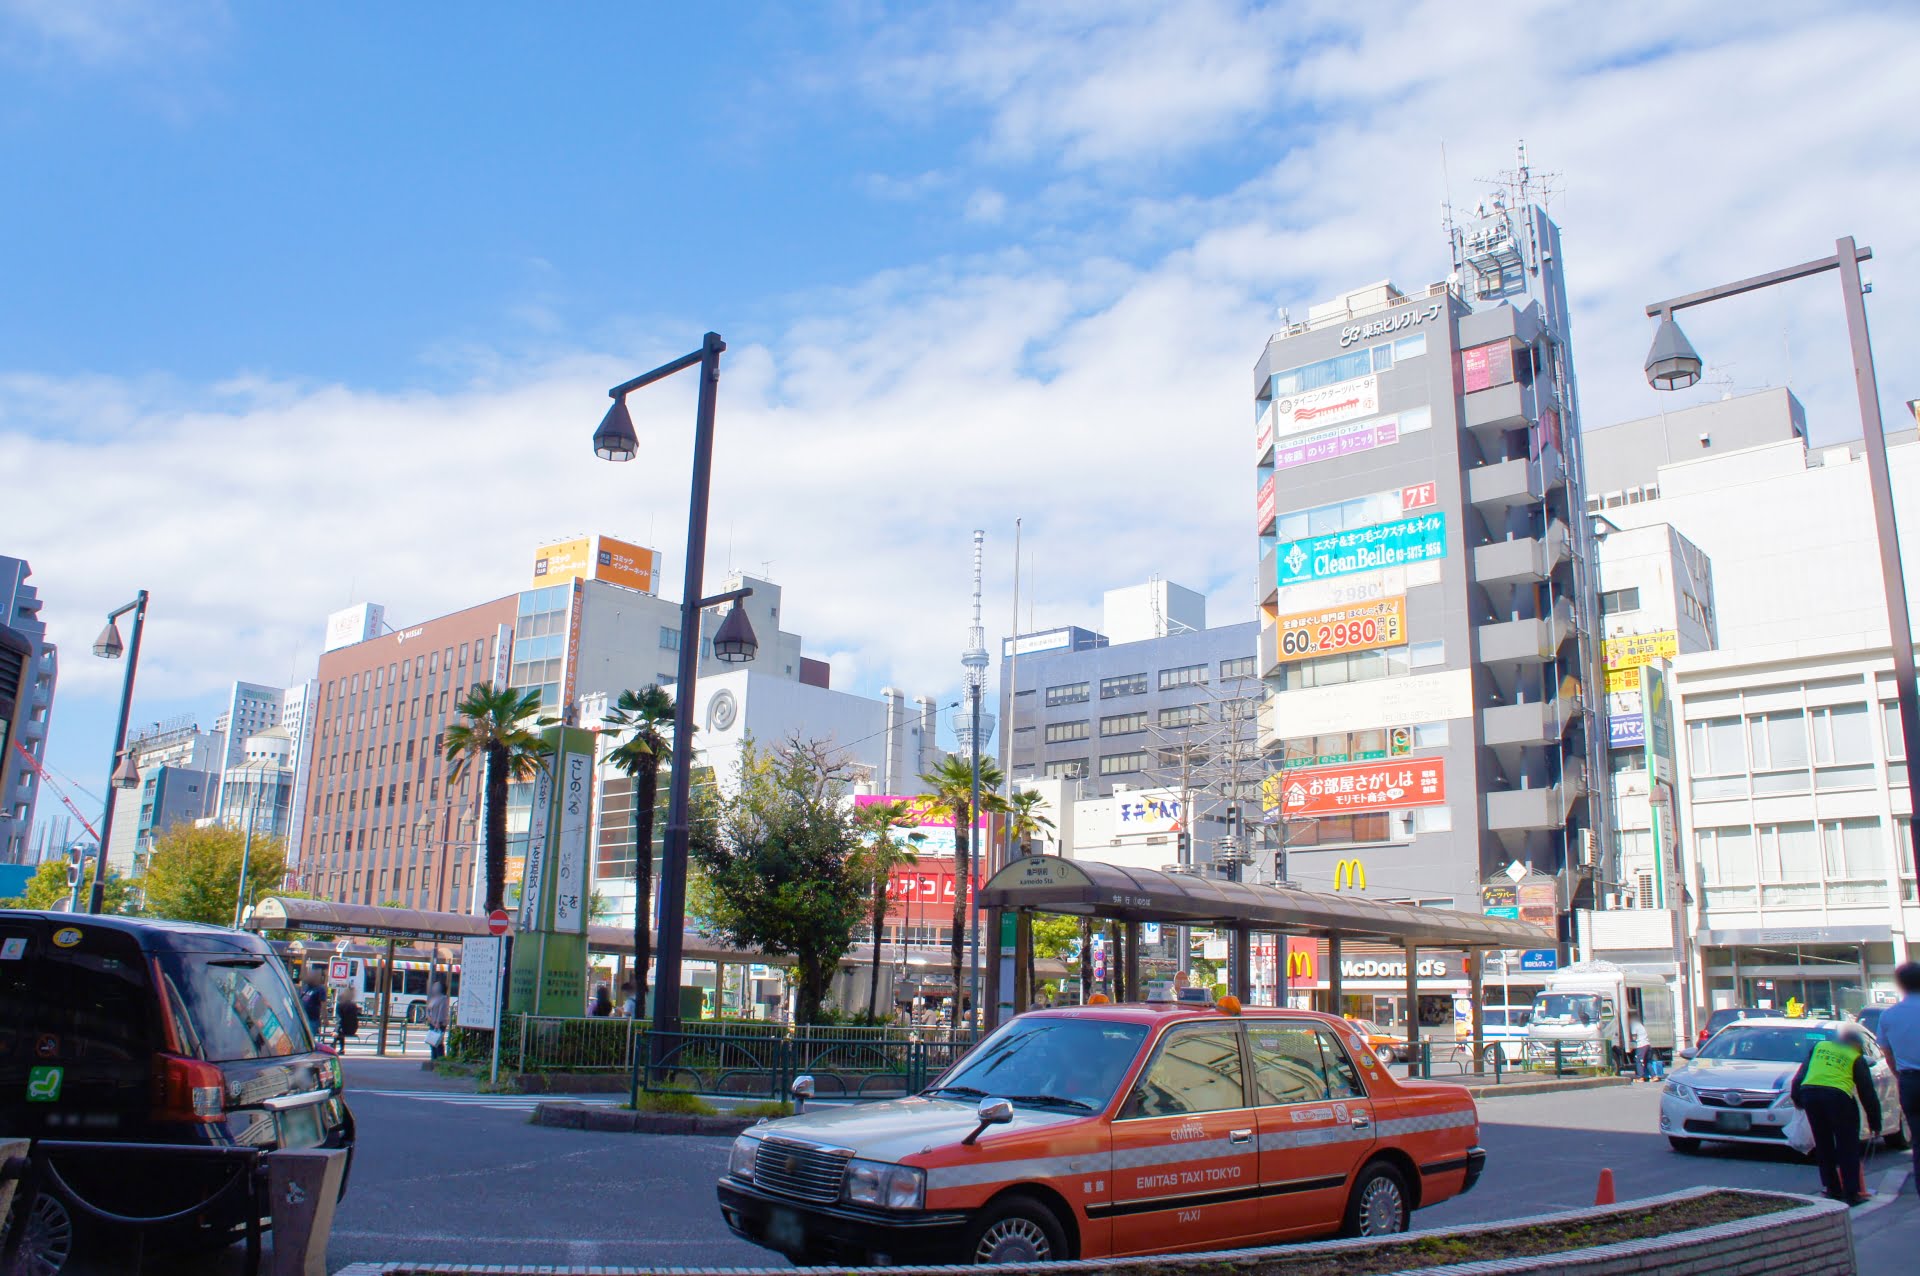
{"type": "Point", "coordinates": [346, 1017]}
{"type": "Point", "coordinates": [1642, 1049]}
{"type": "Point", "coordinates": [1900, 1038]}
{"type": "Point", "coordinates": [629, 1000]}
{"type": "Point", "coordinates": [1830, 1087]}
{"type": "Point", "coordinates": [313, 998]}
{"type": "Point", "coordinates": [437, 1019]}
{"type": "Point", "coordinates": [602, 1007]}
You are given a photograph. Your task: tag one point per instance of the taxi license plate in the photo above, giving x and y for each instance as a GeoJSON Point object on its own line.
{"type": "Point", "coordinates": [300, 1127]}
{"type": "Point", "coordinates": [784, 1230]}
{"type": "Point", "coordinates": [1733, 1122]}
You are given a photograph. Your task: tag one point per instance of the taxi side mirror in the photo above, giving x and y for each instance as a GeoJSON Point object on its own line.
{"type": "Point", "coordinates": [1685, 1052]}
{"type": "Point", "coordinates": [802, 1090]}
{"type": "Point", "coordinates": [990, 1112]}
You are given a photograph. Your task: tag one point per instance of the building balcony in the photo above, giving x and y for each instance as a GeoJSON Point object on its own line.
{"type": "Point", "coordinates": [1506, 483]}
{"type": "Point", "coordinates": [1540, 722]}
{"type": "Point", "coordinates": [1527, 641]}
{"type": "Point", "coordinates": [1535, 810]}
{"type": "Point", "coordinates": [1267, 584]}
{"type": "Point", "coordinates": [1269, 649]}
{"type": "Point", "coordinates": [1501, 407]}
{"type": "Point", "coordinates": [1525, 558]}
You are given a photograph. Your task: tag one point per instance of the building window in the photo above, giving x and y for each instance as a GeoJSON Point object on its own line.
{"type": "Point", "coordinates": [1238, 667]}
{"type": "Point", "coordinates": [1123, 763]}
{"type": "Point", "coordinates": [1188, 715]}
{"type": "Point", "coordinates": [1613, 601]}
{"type": "Point", "coordinates": [1127, 684]}
{"type": "Point", "coordinates": [1185, 676]}
{"type": "Point", "coordinates": [1066, 769]}
{"type": "Point", "coordinates": [1352, 666]}
{"type": "Point", "coordinates": [1340, 830]}
{"type": "Point", "coordinates": [669, 638]}
{"type": "Point", "coordinates": [1123, 724]}
{"type": "Point", "coordinates": [1067, 693]}
{"type": "Point", "coordinates": [1061, 732]}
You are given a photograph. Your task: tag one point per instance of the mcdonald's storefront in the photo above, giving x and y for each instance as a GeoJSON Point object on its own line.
{"type": "Point", "coordinates": [1373, 981]}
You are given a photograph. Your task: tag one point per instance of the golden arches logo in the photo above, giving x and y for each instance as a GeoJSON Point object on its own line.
{"type": "Point", "coordinates": [1349, 875]}
{"type": "Point", "coordinates": [1300, 964]}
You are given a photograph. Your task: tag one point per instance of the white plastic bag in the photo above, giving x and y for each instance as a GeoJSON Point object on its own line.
{"type": "Point", "coordinates": [1799, 1134]}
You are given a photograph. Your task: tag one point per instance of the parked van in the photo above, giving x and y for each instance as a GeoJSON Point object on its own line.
{"type": "Point", "coordinates": [1585, 1010]}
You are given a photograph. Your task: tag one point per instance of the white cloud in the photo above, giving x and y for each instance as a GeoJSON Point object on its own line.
{"type": "Point", "coordinates": [986, 205]}
{"type": "Point", "coordinates": [108, 33]}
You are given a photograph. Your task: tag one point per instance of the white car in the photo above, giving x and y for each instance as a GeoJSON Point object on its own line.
{"type": "Point", "coordinates": [1735, 1088]}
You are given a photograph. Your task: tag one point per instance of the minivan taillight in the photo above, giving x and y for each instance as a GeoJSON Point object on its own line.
{"type": "Point", "coordinates": [187, 1090]}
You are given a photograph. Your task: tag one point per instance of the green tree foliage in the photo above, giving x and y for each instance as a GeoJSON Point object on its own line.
{"type": "Point", "coordinates": [950, 796]}
{"type": "Point", "coordinates": [497, 732]}
{"type": "Point", "coordinates": [883, 850]}
{"type": "Point", "coordinates": [194, 873]}
{"type": "Point", "coordinates": [48, 888]}
{"type": "Point", "coordinates": [775, 860]}
{"type": "Point", "coordinates": [644, 719]}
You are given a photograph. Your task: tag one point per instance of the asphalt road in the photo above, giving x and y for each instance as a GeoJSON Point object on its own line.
{"type": "Point", "coordinates": [466, 1178]}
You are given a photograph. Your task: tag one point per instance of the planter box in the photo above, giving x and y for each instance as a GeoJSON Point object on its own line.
{"type": "Point", "coordinates": [1803, 1237]}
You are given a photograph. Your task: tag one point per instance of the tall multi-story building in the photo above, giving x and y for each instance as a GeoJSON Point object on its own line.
{"type": "Point", "coordinates": [1425, 583]}
{"type": "Point", "coordinates": [257, 791]}
{"type": "Point", "coordinates": [1174, 707]}
{"type": "Point", "coordinates": [298, 715]}
{"type": "Point", "coordinates": [179, 766]}
{"type": "Point", "coordinates": [381, 814]}
{"type": "Point", "coordinates": [252, 707]}
{"type": "Point", "coordinates": [29, 691]}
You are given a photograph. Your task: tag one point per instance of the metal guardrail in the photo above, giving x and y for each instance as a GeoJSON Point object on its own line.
{"type": "Point", "coordinates": [1453, 1060]}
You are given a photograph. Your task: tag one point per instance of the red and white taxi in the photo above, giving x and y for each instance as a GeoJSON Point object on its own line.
{"type": "Point", "coordinates": [1099, 1131]}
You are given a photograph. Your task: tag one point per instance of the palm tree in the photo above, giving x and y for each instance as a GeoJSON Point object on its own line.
{"type": "Point", "coordinates": [878, 859]}
{"type": "Point", "coordinates": [1023, 821]}
{"type": "Point", "coordinates": [646, 716]}
{"type": "Point", "coordinates": [497, 732]}
{"type": "Point", "coordinates": [950, 795]}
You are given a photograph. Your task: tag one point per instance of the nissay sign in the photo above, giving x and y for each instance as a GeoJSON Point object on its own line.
{"type": "Point", "coordinates": [1364, 549]}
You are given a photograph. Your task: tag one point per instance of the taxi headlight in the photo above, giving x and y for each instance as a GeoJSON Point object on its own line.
{"type": "Point", "coordinates": [1784, 1099]}
{"type": "Point", "coordinates": [740, 1159]}
{"type": "Point", "coordinates": [1681, 1091]}
{"type": "Point", "coordinates": [893, 1187]}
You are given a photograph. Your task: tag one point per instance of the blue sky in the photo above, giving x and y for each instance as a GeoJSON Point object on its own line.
{"type": "Point", "coordinates": [303, 305]}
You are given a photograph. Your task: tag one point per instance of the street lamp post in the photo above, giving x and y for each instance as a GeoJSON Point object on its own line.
{"type": "Point", "coordinates": [733, 643]}
{"type": "Point", "coordinates": [123, 775]}
{"type": "Point", "coordinates": [1672, 364]}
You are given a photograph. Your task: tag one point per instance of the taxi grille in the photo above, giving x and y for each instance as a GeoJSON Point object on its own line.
{"type": "Point", "coordinates": [800, 1170]}
{"type": "Point", "coordinates": [1737, 1098]}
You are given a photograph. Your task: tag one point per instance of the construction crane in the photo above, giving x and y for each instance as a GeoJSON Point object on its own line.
{"type": "Point", "coordinates": [58, 791]}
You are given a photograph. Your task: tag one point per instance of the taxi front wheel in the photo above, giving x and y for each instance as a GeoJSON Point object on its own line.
{"type": "Point", "coordinates": [1378, 1206]}
{"type": "Point", "coordinates": [1016, 1229]}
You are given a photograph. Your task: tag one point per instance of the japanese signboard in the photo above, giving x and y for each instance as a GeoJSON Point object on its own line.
{"type": "Point", "coordinates": [1326, 405]}
{"type": "Point", "coordinates": [479, 983]}
{"type": "Point", "coordinates": [1539, 900]}
{"type": "Point", "coordinates": [534, 873]}
{"type": "Point", "coordinates": [924, 884]}
{"type": "Point", "coordinates": [1328, 445]}
{"type": "Point", "coordinates": [570, 886]}
{"type": "Point", "coordinates": [1360, 627]}
{"type": "Point", "coordinates": [1483, 367]}
{"type": "Point", "coordinates": [1263, 507]}
{"type": "Point", "coordinates": [934, 833]}
{"type": "Point", "coordinates": [1147, 812]}
{"type": "Point", "coordinates": [1630, 651]}
{"type": "Point", "coordinates": [1365, 786]}
{"type": "Point", "coordinates": [1362, 549]}
{"type": "Point", "coordinates": [597, 558]}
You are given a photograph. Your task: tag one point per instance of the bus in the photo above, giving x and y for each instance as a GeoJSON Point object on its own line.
{"type": "Point", "coordinates": [413, 970]}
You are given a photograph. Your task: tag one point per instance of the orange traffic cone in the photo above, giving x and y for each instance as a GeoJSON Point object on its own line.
{"type": "Point", "coordinates": [1603, 1195]}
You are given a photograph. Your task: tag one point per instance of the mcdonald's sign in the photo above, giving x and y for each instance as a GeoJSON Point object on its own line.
{"type": "Point", "coordinates": [1303, 963]}
{"type": "Point", "coordinates": [1349, 875]}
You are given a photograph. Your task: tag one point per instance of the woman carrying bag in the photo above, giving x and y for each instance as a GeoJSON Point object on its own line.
{"type": "Point", "coordinates": [436, 1017]}
{"type": "Point", "coordinates": [1829, 1089]}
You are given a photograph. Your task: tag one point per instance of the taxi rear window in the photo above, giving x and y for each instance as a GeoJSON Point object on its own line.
{"type": "Point", "coordinates": [235, 1007]}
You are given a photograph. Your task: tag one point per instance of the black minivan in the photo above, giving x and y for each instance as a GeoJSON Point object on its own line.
{"type": "Point", "coordinates": [117, 1029]}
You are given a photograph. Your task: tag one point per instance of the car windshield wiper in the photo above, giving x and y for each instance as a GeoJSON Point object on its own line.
{"type": "Point", "coordinates": [956, 1089]}
{"type": "Point", "coordinates": [1051, 1101]}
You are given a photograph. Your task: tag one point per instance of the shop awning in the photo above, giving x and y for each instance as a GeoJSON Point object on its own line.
{"type": "Point", "coordinates": [1054, 884]}
{"type": "Point", "coordinates": [370, 921]}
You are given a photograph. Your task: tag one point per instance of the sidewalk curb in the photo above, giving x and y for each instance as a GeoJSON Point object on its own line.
{"type": "Point", "coordinates": [1516, 1089]}
{"type": "Point", "coordinates": [1892, 1183]}
{"type": "Point", "coordinates": [580, 1116]}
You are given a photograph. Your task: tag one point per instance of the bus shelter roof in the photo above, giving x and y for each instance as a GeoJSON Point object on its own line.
{"type": "Point", "coordinates": [1054, 884]}
{"type": "Point", "coordinates": [371, 921]}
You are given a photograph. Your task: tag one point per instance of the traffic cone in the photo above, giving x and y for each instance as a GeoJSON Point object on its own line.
{"type": "Point", "coordinates": [1603, 1195]}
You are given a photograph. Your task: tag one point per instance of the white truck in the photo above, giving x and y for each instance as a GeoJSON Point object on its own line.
{"type": "Point", "coordinates": [1584, 1012]}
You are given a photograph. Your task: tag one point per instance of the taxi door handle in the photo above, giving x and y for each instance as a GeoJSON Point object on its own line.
{"type": "Point", "coordinates": [1239, 1136]}
{"type": "Point", "coordinates": [1361, 1120]}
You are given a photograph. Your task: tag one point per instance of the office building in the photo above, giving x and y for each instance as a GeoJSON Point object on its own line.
{"type": "Point", "coordinates": [1173, 708]}
{"type": "Point", "coordinates": [167, 795]}
{"type": "Point", "coordinates": [1425, 585]}
{"type": "Point", "coordinates": [29, 671]}
{"type": "Point", "coordinates": [257, 791]}
{"type": "Point", "coordinates": [251, 708]}
{"type": "Point", "coordinates": [298, 714]}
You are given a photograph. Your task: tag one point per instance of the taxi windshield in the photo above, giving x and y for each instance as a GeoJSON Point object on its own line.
{"type": "Point", "coordinates": [1071, 1065]}
{"type": "Point", "coordinates": [1763, 1045]}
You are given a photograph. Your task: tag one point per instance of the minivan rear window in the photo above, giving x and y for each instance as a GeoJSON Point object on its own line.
{"type": "Point", "coordinates": [234, 1008]}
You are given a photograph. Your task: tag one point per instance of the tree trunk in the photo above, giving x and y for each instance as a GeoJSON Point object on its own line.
{"type": "Point", "coordinates": [879, 921]}
{"type": "Point", "coordinates": [496, 784]}
{"type": "Point", "coordinates": [812, 993]}
{"type": "Point", "coordinates": [961, 901]}
{"type": "Point", "coordinates": [646, 792]}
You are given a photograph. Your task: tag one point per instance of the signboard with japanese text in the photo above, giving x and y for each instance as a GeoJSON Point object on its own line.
{"type": "Point", "coordinates": [1329, 445]}
{"type": "Point", "coordinates": [477, 1005]}
{"type": "Point", "coordinates": [597, 558]}
{"type": "Point", "coordinates": [934, 832]}
{"type": "Point", "coordinates": [1366, 587]}
{"type": "Point", "coordinates": [1263, 433]}
{"type": "Point", "coordinates": [534, 866]}
{"type": "Point", "coordinates": [1483, 367]}
{"type": "Point", "coordinates": [926, 883]}
{"type": "Point", "coordinates": [1657, 711]}
{"type": "Point", "coordinates": [1630, 651]}
{"type": "Point", "coordinates": [1326, 405]}
{"type": "Point", "coordinates": [1363, 549]}
{"type": "Point", "coordinates": [1143, 812]}
{"type": "Point", "coordinates": [1501, 894]}
{"type": "Point", "coordinates": [570, 884]}
{"type": "Point", "coordinates": [1264, 507]}
{"type": "Point", "coordinates": [1539, 900]}
{"type": "Point", "coordinates": [1364, 786]}
{"type": "Point", "coordinates": [1625, 730]}
{"type": "Point", "coordinates": [1358, 627]}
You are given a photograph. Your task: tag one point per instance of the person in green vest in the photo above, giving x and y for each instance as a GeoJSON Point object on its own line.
{"type": "Point", "coordinates": [1830, 1087]}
